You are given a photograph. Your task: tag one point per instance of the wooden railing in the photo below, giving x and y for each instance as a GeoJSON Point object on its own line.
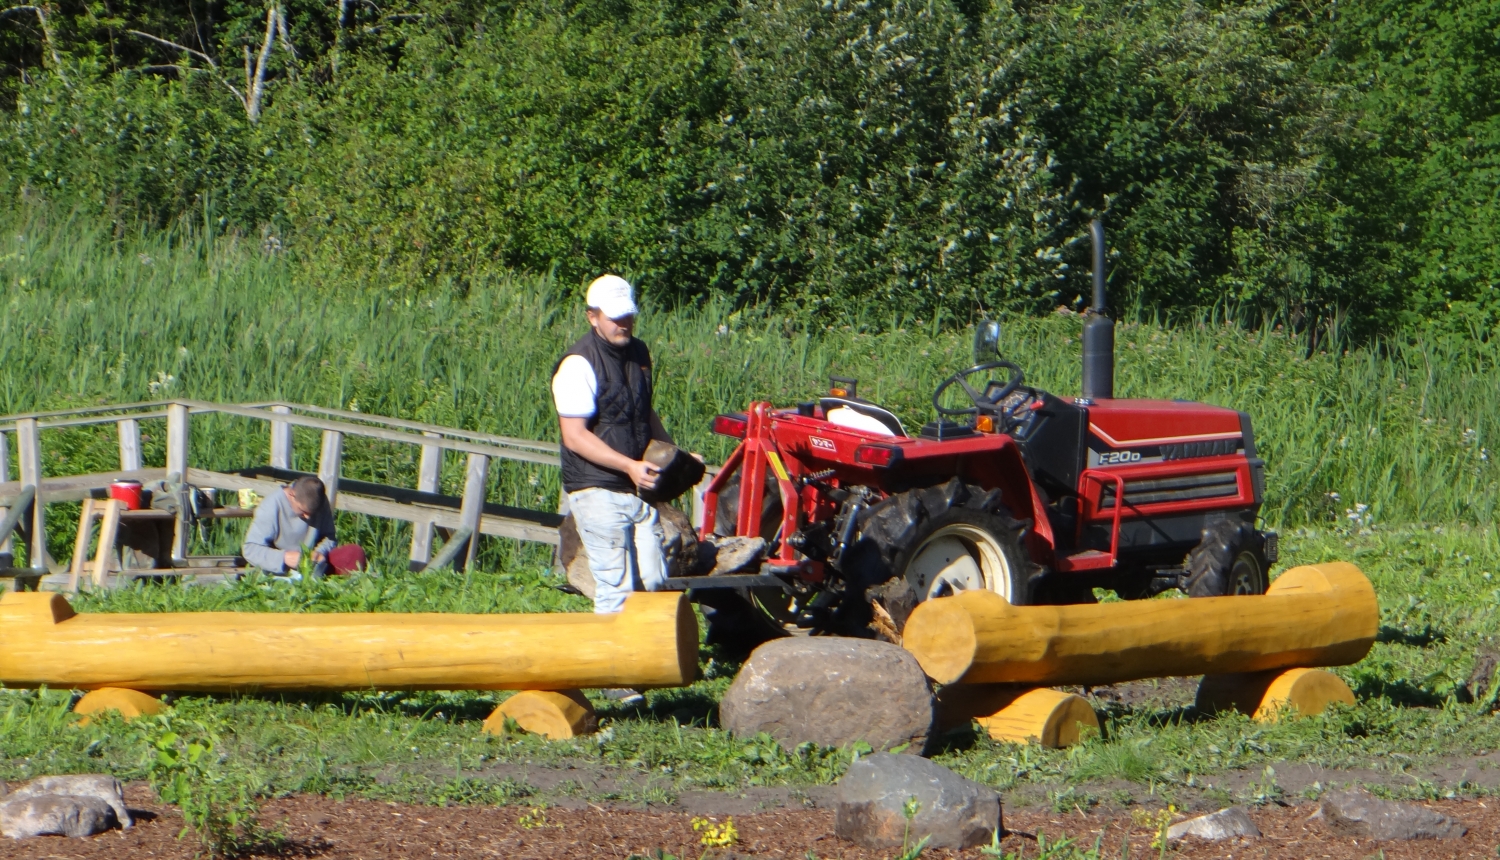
{"type": "Point", "coordinates": [423, 506]}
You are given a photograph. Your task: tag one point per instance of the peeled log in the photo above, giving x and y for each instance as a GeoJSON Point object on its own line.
{"type": "Point", "coordinates": [1316, 615]}
{"type": "Point", "coordinates": [653, 643]}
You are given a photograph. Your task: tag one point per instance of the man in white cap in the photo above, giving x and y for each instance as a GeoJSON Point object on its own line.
{"type": "Point", "coordinates": [602, 391]}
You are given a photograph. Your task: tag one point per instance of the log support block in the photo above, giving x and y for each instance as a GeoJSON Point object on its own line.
{"type": "Point", "coordinates": [1048, 717]}
{"type": "Point", "coordinates": [129, 703]}
{"type": "Point", "coordinates": [1268, 696]}
{"type": "Point", "coordinates": [555, 715]}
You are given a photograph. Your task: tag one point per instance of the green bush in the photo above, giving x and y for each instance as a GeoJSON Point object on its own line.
{"type": "Point", "coordinates": [1331, 166]}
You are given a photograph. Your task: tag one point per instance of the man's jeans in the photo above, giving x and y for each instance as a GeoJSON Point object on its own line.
{"type": "Point", "coordinates": [622, 537]}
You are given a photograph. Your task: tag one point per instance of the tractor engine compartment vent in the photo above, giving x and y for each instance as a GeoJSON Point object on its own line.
{"type": "Point", "coordinates": [1184, 488]}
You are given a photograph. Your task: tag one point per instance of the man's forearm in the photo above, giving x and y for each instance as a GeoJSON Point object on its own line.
{"type": "Point", "coordinates": [582, 441]}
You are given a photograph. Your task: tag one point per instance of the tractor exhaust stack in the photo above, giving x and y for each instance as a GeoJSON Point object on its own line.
{"type": "Point", "coordinates": [1098, 331]}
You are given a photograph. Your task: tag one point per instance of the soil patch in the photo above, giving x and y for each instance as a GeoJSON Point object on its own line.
{"type": "Point", "coordinates": [316, 826]}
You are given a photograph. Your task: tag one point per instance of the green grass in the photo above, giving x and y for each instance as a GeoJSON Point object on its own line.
{"type": "Point", "coordinates": [1401, 428]}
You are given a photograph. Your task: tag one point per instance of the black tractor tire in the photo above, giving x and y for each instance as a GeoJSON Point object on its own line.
{"type": "Point", "coordinates": [1229, 560]}
{"type": "Point", "coordinates": [904, 537]}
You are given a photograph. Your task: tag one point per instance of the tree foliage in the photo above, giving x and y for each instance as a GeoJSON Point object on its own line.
{"type": "Point", "coordinates": [1329, 165]}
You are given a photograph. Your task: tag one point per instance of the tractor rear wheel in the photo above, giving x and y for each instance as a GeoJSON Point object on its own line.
{"type": "Point", "coordinates": [937, 542]}
{"type": "Point", "coordinates": [1229, 560]}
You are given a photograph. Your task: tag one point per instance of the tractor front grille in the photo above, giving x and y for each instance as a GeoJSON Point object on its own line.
{"type": "Point", "coordinates": [1184, 488]}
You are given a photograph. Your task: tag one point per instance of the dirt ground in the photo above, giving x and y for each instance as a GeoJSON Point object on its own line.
{"type": "Point", "coordinates": [315, 826]}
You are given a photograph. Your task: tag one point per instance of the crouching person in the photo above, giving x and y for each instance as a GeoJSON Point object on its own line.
{"type": "Point", "coordinates": [294, 521]}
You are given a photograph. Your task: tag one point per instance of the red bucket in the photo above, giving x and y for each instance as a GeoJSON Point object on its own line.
{"type": "Point", "coordinates": [128, 492]}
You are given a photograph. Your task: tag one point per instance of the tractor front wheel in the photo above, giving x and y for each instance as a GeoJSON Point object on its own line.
{"type": "Point", "coordinates": [937, 542]}
{"type": "Point", "coordinates": [1229, 560]}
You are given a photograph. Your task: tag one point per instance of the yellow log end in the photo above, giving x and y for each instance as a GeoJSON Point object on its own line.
{"type": "Point", "coordinates": [940, 634]}
{"type": "Point", "coordinates": [555, 715]}
{"type": "Point", "coordinates": [1048, 717]}
{"type": "Point", "coordinates": [1268, 696]}
{"type": "Point", "coordinates": [129, 703]}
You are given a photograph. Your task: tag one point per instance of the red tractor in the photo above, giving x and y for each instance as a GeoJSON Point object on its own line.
{"type": "Point", "coordinates": [1036, 497]}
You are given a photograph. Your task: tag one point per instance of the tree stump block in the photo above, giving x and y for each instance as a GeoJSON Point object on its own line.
{"type": "Point", "coordinates": [1014, 714]}
{"type": "Point", "coordinates": [1268, 696]}
{"type": "Point", "coordinates": [129, 703]}
{"type": "Point", "coordinates": [555, 715]}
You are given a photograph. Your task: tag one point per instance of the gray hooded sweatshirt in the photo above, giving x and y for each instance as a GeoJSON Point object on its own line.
{"type": "Point", "coordinates": [277, 528]}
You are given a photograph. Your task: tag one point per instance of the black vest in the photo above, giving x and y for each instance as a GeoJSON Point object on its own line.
{"type": "Point", "coordinates": [622, 410]}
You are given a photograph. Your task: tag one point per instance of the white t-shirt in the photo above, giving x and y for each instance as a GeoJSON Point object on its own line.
{"type": "Point", "coordinates": [575, 388]}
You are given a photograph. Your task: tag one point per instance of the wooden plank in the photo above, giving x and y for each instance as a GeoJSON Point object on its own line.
{"type": "Point", "coordinates": [461, 540]}
{"type": "Point", "coordinates": [81, 545]}
{"type": "Point", "coordinates": [442, 517]}
{"type": "Point", "coordinates": [16, 513]}
{"type": "Point", "coordinates": [331, 463]}
{"type": "Point", "coordinates": [7, 551]}
{"type": "Point", "coordinates": [476, 482]}
{"type": "Point", "coordinates": [109, 527]}
{"type": "Point", "coordinates": [528, 455]}
{"type": "Point", "coordinates": [281, 439]}
{"type": "Point", "coordinates": [76, 488]}
{"type": "Point", "coordinates": [29, 447]}
{"type": "Point", "coordinates": [427, 482]}
{"type": "Point", "coordinates": [177, 439]}
{"type": "Point", "coordinates": [130, 444]}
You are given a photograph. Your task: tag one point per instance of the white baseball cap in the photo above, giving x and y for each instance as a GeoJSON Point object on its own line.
{"type": "Point", "coordinates": [613, 295]}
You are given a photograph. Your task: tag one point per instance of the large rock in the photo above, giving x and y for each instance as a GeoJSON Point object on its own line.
{"type": "Point", "coordinates": [54, 815]}
{"type": "Point", "coordinates": [878, 792]}
{"type": "Point", "coordinates": [99, 786]}
{"type": "Point", "coordinates": [1224, 824]}
{"type": "Point", "coordinates": [831, 692]}
{"type": "Point", "coordinates": [1357, 813]}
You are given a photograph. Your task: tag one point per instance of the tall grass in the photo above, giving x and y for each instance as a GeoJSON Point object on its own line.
{"type": "Point", "coordinates": [90, 317]}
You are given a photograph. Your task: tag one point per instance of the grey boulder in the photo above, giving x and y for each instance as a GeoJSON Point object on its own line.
{"type": "Point", "coordinates": [879, 790]}
{"type": "Point", "coordinates": [831, 692]}
{"type": "Point", "coordinates": [1224, 824]}
{"type": "Point", "coordinates": [1357, 813]}
{"type": "Point", "coordinates": [54, 815]}
{"type": "Point", "coordinates": [99, 786]}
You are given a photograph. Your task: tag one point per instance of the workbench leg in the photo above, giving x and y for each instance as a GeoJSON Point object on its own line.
{"type": "Point", "coordinates": [109, 527]}
{"type": "Point", "coordinates": [81, 545]}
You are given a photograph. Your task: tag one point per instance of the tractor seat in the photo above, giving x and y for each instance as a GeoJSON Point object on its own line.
{"type": "Point", "coordinates": [861, 415]}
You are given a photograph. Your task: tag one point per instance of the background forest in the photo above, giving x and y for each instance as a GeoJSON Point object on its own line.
{"type": "Point", "coordinates": [1328, 166]}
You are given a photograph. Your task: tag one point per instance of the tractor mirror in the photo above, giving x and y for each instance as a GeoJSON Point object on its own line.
{"type": "Point", "coordinates": [986, 341]}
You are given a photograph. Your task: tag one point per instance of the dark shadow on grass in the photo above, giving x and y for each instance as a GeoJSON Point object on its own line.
{"type": "Point", "coordinates": [1402, 693]}
{"type": "Point", "coordinates": [1420, 638]}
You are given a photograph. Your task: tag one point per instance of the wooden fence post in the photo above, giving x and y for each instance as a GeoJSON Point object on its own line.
{"type": "Point", "coordinates": [281, 440]}
{"type": "Point", "coordinates": [29, 447]}
{"type": "Point", "coordinates": [177, 440]}
{"type": "Point", "coordinates": [7, 551]}
{"type": "Point", "coordinates": [427, 482]}
{"type": "Point", "coordinates": [177, 465]}
{"type": "Point", "coordinates": [130, 444]}
{"type": "Point", "coordinates": [330, 463]}
{"type": "Point", "coordinates": [475, 483]}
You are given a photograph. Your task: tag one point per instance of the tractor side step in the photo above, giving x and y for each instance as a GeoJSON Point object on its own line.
{"type": "Point", "coordinates": [1088, 560]}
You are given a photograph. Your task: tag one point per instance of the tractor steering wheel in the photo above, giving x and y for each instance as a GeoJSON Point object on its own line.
{"type": "Point", "coordinates": [981, 402]}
